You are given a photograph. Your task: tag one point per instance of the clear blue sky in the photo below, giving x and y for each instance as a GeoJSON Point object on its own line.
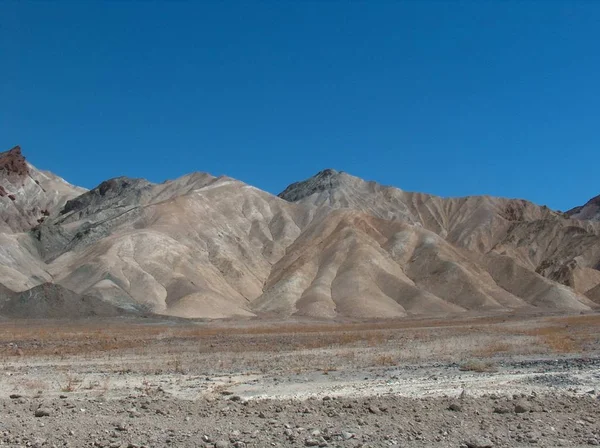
{"type": "Point", "coordinates": [450, 98]}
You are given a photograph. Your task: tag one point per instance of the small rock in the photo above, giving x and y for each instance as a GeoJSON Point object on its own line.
{"type": "Point", "coordinates": [479, 442]}
{"type": "Point", "coordinates": [501, 410]}
{"type": "Point", "coordinates": [347, 435]}
{"type": "Point", "coordinates": [311, 442]}
{"type": "Point", "coordinates": [42, 412]}
{"type": "Point", "coordinates": [532, 437]}
{"type": "Point", "coordinates": [222, 444]}
{"type": "Point", "coordinates": [374, 410]}
{"type": "Point", "coordinates": [455, 407]}
{"type": "Point", "coordinates": [15, 396]}
{"type": "Point", "coordinates": [521, 408]}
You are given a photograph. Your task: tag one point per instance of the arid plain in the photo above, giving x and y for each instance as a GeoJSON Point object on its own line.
{"type": "Point", "coordinates": [492, 380]}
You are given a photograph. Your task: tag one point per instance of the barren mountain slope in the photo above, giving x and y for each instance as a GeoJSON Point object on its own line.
{"type": "Point", "coordinates": [353, 264]}
{"type": "Point", "coordinates": [537, 238]}
{"type": "Point", "coordinates": [589, 211]}
{"type": "Point", "coordinates": [27, 195]}
{"type": "Point", "coordinates": [198, 246]}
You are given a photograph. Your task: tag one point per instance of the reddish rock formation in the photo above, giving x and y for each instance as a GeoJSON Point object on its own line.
{"type": "Point", "coordinates": [13, 162]}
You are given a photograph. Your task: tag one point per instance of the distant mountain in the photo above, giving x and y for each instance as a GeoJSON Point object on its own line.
{"type": "Point", "coordinates": [331, 246]}
{"type": "Point", "coordinates": [589, 211]}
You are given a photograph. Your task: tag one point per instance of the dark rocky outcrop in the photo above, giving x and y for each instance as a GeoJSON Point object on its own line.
{"type": "Point", "coordinates": [56, 302]}
{"type": "Point", "coordinates": [324, 180]}
{"type": "Point", "coordinates": [109, 204]}
{"type": "Point", "coordinates": [118, 191]}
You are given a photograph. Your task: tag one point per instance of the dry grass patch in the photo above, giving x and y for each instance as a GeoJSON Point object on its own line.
{"type": "Point", "coordinates": [192, 347]}
{"type": "Point", "coordinates": [493, 349]}
{"type": "Point", "coordinates": [477, 365]}
{"type": "Point", "coordinates": [71, 384]}
{"type": "Point", "coordinates": [557, 339]}
{"type": "Point", "coordinates": [34, 385]}
{"type": "Point", "coordinates": [385, 360]}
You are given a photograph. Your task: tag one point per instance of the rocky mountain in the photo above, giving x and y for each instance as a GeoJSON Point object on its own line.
{"type": "Point", "coordinates": [332, 246]}
{"type": "Point", "coordinates": [470, 253]}
{"type": "Point", "coordinates": [29, 194]}
{"type": "Point", "coordinates": [589, 211]}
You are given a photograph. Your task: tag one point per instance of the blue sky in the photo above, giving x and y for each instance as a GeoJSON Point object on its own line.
{"type": "Point", "coordinates": [450, 98]}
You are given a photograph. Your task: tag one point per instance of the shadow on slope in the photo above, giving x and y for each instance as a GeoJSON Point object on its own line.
{"type": "Point", "coordinates": [56, 302]}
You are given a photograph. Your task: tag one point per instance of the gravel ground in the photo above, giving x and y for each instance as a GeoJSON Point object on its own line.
{"type": "Point", "coordinates": [159, 420]}
{"type": "Point", "coordinates": [533, 383]}
{"type": "Point", "coordinates": [558, 406]}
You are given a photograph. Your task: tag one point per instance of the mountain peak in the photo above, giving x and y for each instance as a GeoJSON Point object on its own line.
{"type": "Point", "coordinates": [327, 172]}
{"type": "Point", "coordinates": [326, 179]}
{"type": "Point", "coordinates": [119, 189]}
{"type": "Point", "coordinates": [589, 211]}
{"type": "Point", "coordinates": [13, 162]}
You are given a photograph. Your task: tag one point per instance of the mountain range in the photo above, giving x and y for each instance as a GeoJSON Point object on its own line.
{"type": "Point", "coordinates": [332, 246]}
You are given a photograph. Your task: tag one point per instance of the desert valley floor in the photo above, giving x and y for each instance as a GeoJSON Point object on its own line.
{"type": "Point", "coordinates": [473, 381]}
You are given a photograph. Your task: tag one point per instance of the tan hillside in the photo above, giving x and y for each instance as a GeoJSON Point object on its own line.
{"type": "Point", "coordinates": [333, 246]}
